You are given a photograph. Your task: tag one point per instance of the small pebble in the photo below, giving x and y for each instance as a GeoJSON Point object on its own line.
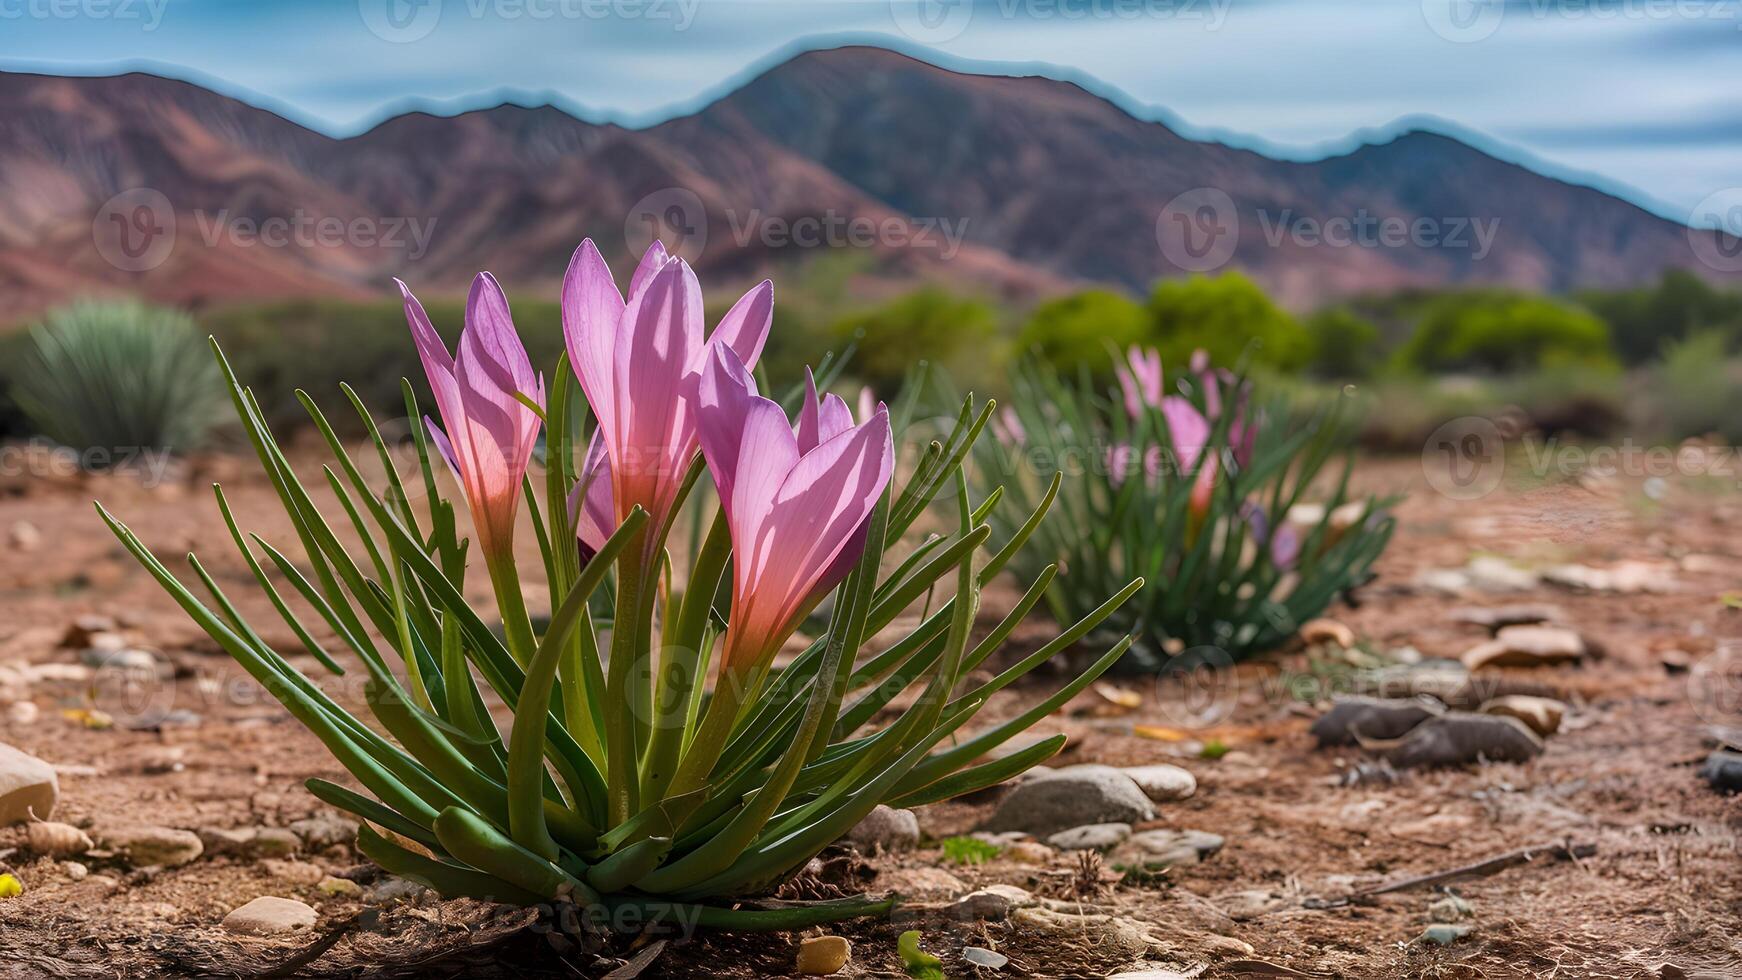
{"type": "Point", "coordinates": [74, 870]}
{"type": "Point", "coordinates": [270, 916]}
{"type": "Point", "coordinates": [984, 957]}
{"type": "Point", "coordinates": [820, 956]}
{"type": "Point", "coordinates": [1442, 934]}
{"type": "Point", "coordinates": [338, 886]}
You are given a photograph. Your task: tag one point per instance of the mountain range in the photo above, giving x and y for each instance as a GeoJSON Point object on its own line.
{"type": "Point", "coordinates": [1020, 186]}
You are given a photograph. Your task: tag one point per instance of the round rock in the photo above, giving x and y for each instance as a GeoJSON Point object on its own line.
{"type": "Point", "coordinates": [1071, 797]}
{"type": "Point", "coordinates": [820, 956]}
{"type": "Point", "coordinates": [28, 787]}
{"type": "Point", "coordinates": [886, 828]}
{"type": "Point", "coordinates": [1163, 783]}
{"type": "Point", "coordinates": [270, 916]}
{"type": "Point", "coordinates": [1093, 837]}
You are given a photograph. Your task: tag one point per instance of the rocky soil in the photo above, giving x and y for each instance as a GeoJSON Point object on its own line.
{"type": "Point", "coordinates": [1534, 692]}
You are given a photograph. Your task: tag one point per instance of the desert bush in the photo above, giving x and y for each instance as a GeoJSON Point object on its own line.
{"type": "Point", "coordinates": [951, 332]}
{"type": "Point", "coordinates": [1230, 317]}
{"type": "Point", "coordinates": [279, 347]}
{"type": "Point", "coordinates": [118, 374]}
{"type": "Point", "coordinates": [1211, 495]}
{"type": "Point", "coordinates": [1505, 332]}
{"type": "Point", "coordinates": [1644, 321]}
{"type": "Point", "coordinates": [1695, 391]}
{"type": "Point", "coordinates": [1345, 346]}
{"type": "Point", "coordinates": [1075, 332]}
{"type": "Point", "coordinates": [624, 781]}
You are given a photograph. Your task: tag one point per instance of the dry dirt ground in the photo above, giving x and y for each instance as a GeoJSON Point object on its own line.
{"type": "Point", "coordinates": [1661, 896]}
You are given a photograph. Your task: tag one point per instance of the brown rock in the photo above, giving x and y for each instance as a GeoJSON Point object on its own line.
{"type": "Point", "coordinates": [1527, 646]}
{"type": "Point", "coordinates": [1542, 715]}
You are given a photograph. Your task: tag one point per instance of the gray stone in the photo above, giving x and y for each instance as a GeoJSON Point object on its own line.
{"type": "Point", "coordinates": [1459, 738]}
{"type": "Point", "coordinates": [27, 787]}
{"type": "Point", "coordinates": [1449, 909]}
{"type": "Point", "coordinates": [323, 830]}
{"type": "Point", "coordinates": [1091, 837]}
{"type": "Point", "coordinates": [1723, 769]}
{"type": "Point", "coordinates": [390, 890]}
{"type": "Point", "coordinates": [1354, 718]}
{"type": "Point", "coordinates": [1071, 797]}
{"type": "Point", "coordinates": [147, 846]}
{"type": "Point", "coordinates": [1163, 783]}
{"type": "Point", "coordinates": [270, 916]}
{"type": "Point", "coordinates": [985, 958]}
{"type": "Point", "coordinates": [886, 828]}
{"type": "Point", "coordinates": [1165, 848]}
{"type": "Point", "coordinates": [1442, 934]}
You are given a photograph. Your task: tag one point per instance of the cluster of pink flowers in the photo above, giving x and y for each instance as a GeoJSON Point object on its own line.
{"type": "Point", "coordinates": [1189, 431]}
{"type": "Point", "coordinates": [797, 499]}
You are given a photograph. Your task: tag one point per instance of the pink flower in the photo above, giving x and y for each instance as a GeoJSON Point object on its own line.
{"type": "Point", "coordinates": [490, 433]}
{"type": "Point", "coordinates": [1141, 380]}
{"type": "Point", "coordinates": [796, 502]}
{"type": "Point", "coordinates": [640, 364]}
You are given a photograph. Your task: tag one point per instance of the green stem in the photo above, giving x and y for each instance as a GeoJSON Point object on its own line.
{"type": "Point", "coordinates": [621, 776]}
{"type": "Point", "coordinates": [516, 623]}
{"type": "Point", "coordinates": [680, 661]}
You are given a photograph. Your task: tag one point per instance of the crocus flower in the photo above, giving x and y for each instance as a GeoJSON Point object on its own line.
{"type": "Point", "coordinates": [796, 502]}
{"type": "Point", "coordinates": [1140, 379]}
{"type": "Point", "coordinates": [489, 433]}
{"type": "Point", "coordinates": [639, 362]}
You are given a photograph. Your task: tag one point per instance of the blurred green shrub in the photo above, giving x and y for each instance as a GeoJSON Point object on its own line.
{"type": "Point", "coordinates": [315, 344]}
{"type": "Point", "coordinates": [1227, 315]}
{"type": "Point", "coordinates": [930, 324]}
{"type": "Point", "coordinates": [118, 374]}
{"type": "Point", "coordinates": [1345, 345]}
{"type": "Point", "coordinates": [1644, 321]}
{"type": "Point", "coordinates": [1077, 331]}
{"type": "Point", "coordinates": [1505, 332]}
{"type": "Point", "coordinates": [1695, 391]}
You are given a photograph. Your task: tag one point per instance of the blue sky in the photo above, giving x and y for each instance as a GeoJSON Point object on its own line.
{"type": "Point", "coordinates": [1638, 96]}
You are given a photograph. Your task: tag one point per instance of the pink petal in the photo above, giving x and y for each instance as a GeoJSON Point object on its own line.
{"type": "Point", "coordinates": [658, 339]}
{"type": "Point", "coordinates": [724, 394]}
{"type": "Point", "coordinates": [820, 421]}
{"type": "Point", "coordinates": [767, 454]}
{"type": "Point", "coordinates": [652, 261]}
{"type": "Point", "coordinates": [445, 448]}
{"type": "Point", "coordinates": [1187, 429]}
{"type": "Point", "coordinates": [820, 509]}
{"type": "Point", "coordinates": [591, 309]}
{"type": "Point", "coordinates": [591, 507]}
{"type": "Point", "coordinates": [744, 328]}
